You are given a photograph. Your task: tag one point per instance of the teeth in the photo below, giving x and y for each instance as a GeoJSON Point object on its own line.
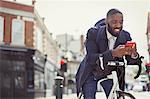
{"type": "Point", "coordinates": [117, 30]}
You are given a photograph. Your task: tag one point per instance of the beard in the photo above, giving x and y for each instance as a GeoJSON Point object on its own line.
{"type": "Point", "coordinates": [113, 32]}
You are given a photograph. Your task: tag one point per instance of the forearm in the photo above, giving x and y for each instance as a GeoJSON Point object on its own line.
{"type": "Point", "coordinates": [94, 57]}
{"type": "Point", "coordinates": [132, 60]}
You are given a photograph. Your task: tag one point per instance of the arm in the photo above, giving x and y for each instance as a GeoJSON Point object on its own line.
{"type": "Point", "coordinates": [91, 46]}
{"type": "Point", "coordinates": [93, 50]}
{"type": "Point", "coordinates": [133, 57]}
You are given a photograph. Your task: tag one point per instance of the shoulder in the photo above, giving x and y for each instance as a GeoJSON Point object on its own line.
{"type": "Point", "coordinates": [92, 32]}
{"type": "Point", "coordinates": [126, 34]}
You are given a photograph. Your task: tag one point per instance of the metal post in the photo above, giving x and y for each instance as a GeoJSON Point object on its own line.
{"type": "Point", "coordinates": [59, 87]}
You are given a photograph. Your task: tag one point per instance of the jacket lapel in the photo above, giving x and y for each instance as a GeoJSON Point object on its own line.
{"type": "Point", "coordinates": [102, 40]}
{"type": "Point", "coordinates": [120, 39]}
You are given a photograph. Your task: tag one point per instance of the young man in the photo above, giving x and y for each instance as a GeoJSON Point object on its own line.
{"type": "Point", "coordinates": [104, 44]}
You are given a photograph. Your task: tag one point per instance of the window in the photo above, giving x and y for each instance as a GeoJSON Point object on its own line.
{"type": "Point", "coordinates": [1, 28]}
{"type": "Point", "coordinates": [38, 80]}
{"type": "Point", "coordinates": [17, 32]}
{"type": "Point", "coordinates": [39, 40]}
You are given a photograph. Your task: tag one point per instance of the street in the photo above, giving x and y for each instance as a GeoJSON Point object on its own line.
{"type": "Point", "coordinates": [101, 95]}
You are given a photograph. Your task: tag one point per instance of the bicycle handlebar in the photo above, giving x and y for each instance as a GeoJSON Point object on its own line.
{"type": "Point", "coordinates": [139, 63]}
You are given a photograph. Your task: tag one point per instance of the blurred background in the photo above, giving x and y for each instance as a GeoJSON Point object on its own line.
{"type": "Point", "coordinates": [42, 39]}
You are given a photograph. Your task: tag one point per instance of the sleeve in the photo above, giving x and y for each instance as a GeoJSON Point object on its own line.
{"type": "Point", "coordinates": [130, 60]}
{"type": "Point", "coordinates": [91, 46]}
{"type": "Point", "coordinates": [92, 49]}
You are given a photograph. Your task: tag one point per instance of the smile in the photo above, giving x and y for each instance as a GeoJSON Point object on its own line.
{"type": "Point", "coordinates": [117, 30]}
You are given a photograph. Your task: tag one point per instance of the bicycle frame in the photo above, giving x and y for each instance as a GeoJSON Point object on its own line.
{"type": "Point", "coordinates": [115, 86]}
{"type": "Point", "coordinates": [115, 91]}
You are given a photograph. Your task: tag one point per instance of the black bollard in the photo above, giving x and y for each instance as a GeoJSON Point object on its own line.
{"type": "Point", "coordinates": [59, 87]}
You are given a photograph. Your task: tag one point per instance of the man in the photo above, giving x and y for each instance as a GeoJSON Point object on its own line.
{"type": "Point", "coordinates": [100, 50]}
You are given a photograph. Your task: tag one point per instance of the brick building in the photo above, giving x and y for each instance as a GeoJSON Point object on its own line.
{"type": "Point", "coordinates": [26, 64]}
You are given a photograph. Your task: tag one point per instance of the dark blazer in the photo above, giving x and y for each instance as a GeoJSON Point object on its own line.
{"type": "Point", "coordinates": [96, 44]}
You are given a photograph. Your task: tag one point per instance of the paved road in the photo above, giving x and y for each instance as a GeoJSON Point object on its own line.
{"type": "Point", "coordinates": [101, 95]}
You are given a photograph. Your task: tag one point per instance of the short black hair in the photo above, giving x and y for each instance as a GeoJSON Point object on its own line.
{"type": "Point", "coordinates": [113, 11]}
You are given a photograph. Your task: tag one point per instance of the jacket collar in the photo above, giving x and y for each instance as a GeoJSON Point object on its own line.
{"type": "Point", "coordinates": [103, 36]}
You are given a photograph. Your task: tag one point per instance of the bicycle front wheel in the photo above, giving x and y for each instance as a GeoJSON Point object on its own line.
{"type": "Point", "coordinates": [124, 95]}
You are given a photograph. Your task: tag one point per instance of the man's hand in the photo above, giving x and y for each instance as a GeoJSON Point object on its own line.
{"type": "Point", "coordinates": [131, 49]}
{"type": "Point", "coordinates": [120, 51]}
{"type": "Point", "coordinates": [134, 53]}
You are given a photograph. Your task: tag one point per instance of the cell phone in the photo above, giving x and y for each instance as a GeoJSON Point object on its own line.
{"type": "Point", "coordinates": [130, 44]}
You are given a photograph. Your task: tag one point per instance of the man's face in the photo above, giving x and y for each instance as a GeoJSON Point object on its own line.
{"type": "Point", "coordinates": [114, 24]}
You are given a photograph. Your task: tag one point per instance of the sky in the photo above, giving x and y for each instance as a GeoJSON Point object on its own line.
{"type": "Point", "coordinates": [75, 17]}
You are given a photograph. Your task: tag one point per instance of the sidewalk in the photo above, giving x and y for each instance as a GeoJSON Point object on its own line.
{"type": "Point", "coordinates": [138, 95]}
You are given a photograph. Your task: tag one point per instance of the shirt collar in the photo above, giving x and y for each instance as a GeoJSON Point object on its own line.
{"type": "Point", "coordinates": [109, 35]}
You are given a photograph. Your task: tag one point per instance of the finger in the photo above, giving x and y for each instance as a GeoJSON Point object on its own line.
{"type": "Point", "coordinates": [126, 53]}
{"type": "Point", "coordinates": [133, 46]}
{"type": "Point", "coordinates": [121, 46]}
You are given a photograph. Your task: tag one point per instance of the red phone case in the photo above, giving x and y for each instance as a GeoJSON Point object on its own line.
{"type": "Point", "coordinates": [130, 44]}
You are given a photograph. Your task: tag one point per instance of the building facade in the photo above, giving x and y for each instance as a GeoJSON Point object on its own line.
{"type": "Point", "coordinates": [148, 33]}
{"type": "Point", "coordinates": [28, 53]}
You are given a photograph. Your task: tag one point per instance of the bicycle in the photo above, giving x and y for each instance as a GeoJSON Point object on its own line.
{"type": "Point", "coordinates": [115, 92]}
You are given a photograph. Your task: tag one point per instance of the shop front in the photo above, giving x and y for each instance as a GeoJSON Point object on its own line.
{"type": "Point", "coordinates": [21, 73]}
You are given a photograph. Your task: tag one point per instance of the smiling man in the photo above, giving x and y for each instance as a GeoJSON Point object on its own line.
{"type": "Point", "coordinates": [105, 44]}
{"type": "Point", "coordinates": [114, 22]}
